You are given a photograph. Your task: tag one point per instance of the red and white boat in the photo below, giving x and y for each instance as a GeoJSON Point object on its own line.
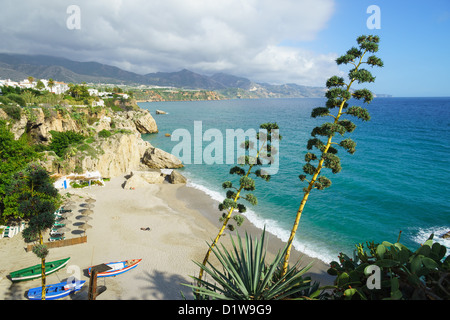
{"type": "Point", "coordinates": [117, 268]}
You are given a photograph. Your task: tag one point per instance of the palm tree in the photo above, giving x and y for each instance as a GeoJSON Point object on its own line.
{"type": "Point", "coordinates": [51, 84]}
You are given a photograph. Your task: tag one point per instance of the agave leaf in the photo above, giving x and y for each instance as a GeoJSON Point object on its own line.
{"type": "Point", "coordinates": [245, 275]}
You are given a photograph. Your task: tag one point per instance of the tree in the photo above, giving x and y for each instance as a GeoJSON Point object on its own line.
{"type": "Point", "coordinates": [78, 92]}
{"type": "Point", "coordinates": [14, 156]}
{"type": "Point", "coordinates": [29, 97]}
{"type": "Point", "coordinates": [338, 94]}
{"type": "Point", "coordinates": [51, 84]}
{"type": "Point", "coordinates": [32, 197]}
{"type": "Point", "coordinates": [246, 183]}
{"type": "Point", "coordinates": [40, 85]}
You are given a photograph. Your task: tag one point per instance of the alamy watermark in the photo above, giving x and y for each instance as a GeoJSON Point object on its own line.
{"type": "Point", "coordinates": [374, 277]}
{"type": "Point", "coordinates": [374, 21]}
{"type": "Point", "coordinates": [226, 149]}
{"type": "Point", "coordinates": [73, 22]}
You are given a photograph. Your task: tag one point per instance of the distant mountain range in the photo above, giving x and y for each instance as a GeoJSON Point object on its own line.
{"type": "Point", "coordinates": [18, 67]}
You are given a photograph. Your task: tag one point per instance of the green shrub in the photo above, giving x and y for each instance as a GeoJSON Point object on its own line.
{"type": "Point", "coordinates": [423, 274]}
{"type": "Point", "coordinates": [105, 133]}
{"type": "Point", "coordinates": [62, 140]}
{"type": "Point", "coordinates": [16, 98]}
{"type": "Point", "coordinates": [13, 112]}
{"type": "Point", "coordinates": [5, 101]}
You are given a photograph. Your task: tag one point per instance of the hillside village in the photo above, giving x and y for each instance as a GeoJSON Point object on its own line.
{"type": "Point", "coordinates": [61, 88]}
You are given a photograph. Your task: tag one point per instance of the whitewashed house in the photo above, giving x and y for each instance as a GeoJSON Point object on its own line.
{"type": "Point", "coordinates": [26, 84]}
{"type": "Point", "coordinates": [93, 92]}
{"type": "Point", "coordinates": [99, 103]}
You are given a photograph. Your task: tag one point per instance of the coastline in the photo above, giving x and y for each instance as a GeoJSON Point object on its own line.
{"type": "Point", "coordinates": [182, 220]}
{"type": "Point", "coordinates": [198, 200]}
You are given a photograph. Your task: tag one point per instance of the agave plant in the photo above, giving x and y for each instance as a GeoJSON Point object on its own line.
{"type": "Point", "coordinates": [246, 276]}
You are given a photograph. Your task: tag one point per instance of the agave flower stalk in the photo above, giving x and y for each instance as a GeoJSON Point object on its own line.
{"type": "Point", "coordinates": [230, 204]}
{"type": "Point", "coordinates": [338, 95]}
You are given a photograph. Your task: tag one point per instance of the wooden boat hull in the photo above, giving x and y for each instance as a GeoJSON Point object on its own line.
{"type": "Point", "coordinates": [118, 267]}
{"type": "Point", "coordinates": [55, 291]}
{"type": "Point", "coordinates": [35, 272]}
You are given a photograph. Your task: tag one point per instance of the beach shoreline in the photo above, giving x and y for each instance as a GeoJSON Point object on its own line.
{"type": "Point", "coordinates": [182, 221]}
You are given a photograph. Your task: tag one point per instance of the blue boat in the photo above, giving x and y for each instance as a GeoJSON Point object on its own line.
{"type": "Point", "coordinates": [56, 291]}
{"type": "Point", "coordinates": [117, 268]}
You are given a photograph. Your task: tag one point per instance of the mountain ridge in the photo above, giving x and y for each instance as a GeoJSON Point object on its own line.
{"type": "Point", "coordinates": [18, 67]}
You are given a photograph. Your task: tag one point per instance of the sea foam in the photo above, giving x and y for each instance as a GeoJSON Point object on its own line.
{"type": "Point", "coordinates": [313, 250]}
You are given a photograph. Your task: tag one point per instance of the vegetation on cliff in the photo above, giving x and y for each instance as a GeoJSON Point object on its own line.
{"type": "Point", "coordinates": [172, 94]}
{"type": "Point", "coordinates": [66, 132]}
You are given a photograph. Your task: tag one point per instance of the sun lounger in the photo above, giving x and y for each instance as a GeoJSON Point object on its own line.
{"type": "Point", "coordinates": [56, 238]}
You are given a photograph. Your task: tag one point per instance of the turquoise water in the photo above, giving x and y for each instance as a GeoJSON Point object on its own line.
{"type": "Point", "coordinates": [398, 179]}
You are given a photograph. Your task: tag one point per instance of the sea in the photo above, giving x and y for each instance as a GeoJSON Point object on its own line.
{"type": "Point", "coordinates": [396, 183]}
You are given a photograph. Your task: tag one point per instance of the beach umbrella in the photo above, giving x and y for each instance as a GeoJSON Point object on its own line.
{"type": "Point", "coordinates": [66, 214]}
{"type": "Point", "coordinates": [89, 206]}
{"type": "Point", "coordinates": [90, 200]}
{"type": "Point", "coordinates": [85, 227]}
{"type": "Point", "coordinates": [63, 229]}
{"type": "Point", "coordinates": [63, 221]}
{"type": "Point", "coordinates": [70, 207]}
{"type": "Point", "coordinates": [84, 218]}
{"type": "Point", "coordinates": [87, 212]}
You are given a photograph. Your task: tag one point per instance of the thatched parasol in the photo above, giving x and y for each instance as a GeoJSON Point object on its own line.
{"type": "Point", "coordinates": [63, 229]}
{"type": "Point", "coordinates": [87, 212]}
{"type": "Point", "coordinates": [63, 221]}
{"type": "Point", "coordinates": [84, 218]}
{"type": "Point", "coordinates": [66, 214]}
{"type": "Point", "coordinates": [90, 200]}
{"type": "Point", "coordinates": [85, 227]}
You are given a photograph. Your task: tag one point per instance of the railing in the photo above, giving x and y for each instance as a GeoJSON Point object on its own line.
{"type": "Point", "coordinates": [61, 243]}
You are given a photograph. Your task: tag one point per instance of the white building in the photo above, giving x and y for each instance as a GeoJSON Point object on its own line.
{"type": "Point", "coordinates": [26, 84]}
{"type": "Point", "coordinates": [93, 92]}
{"type": "Point", "coordinates": [58, 87]}
{"type": "Point", "coordinates": [99, 103]}
{"type": "Point", "coordinates": [123, 95]}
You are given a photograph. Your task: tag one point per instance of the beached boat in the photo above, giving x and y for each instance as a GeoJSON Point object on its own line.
{"type": "Point", "coordinates": [55, 291]}
{"type": "Point", "coordinates": [117, 268]}
{"type": "Point", "coordinates": [35, 272]}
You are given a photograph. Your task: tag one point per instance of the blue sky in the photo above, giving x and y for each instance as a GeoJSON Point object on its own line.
{"type": "Point", "coordinates": [274, 41]}
{"type": "Point", "coordinates": [415, 43]}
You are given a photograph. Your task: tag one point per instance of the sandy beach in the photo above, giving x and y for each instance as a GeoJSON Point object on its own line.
{"type": "Point", "coordinates": [181, 220]}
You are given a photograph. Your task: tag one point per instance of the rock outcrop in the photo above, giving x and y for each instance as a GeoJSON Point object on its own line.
{"type": "Point", "coordinates": [158, 159]}
{"type": "Point", "coordinates": [140, 121]}
{"type": "Point", "coordinates": [111, 156]}
{"type": "Point", "coordinates": [120, 152]}
{"type": "Point", "coordinates": [135, 182]}
{"type": "Point", "coordinates": [175, 178]}
{"type": "Point", "coordinates": [142, 179]}
{"type": "Point", "coordinates": [446, 235]}
{"type": "Point", "coordinates": [39, 122]}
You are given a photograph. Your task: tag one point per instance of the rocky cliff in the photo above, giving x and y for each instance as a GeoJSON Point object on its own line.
{"type": "Point", "coordinates": [39, 122]}
{"type": "Point", "coordinates": [118, 152]}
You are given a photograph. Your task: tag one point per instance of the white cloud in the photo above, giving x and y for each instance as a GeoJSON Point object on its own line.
{"type": "Point", "coordinates": [235, 36]}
